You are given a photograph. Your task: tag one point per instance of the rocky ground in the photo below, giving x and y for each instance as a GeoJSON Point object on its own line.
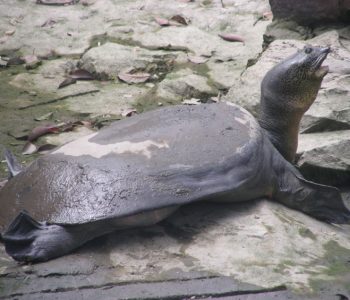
{"type": "Point", "coordinates": [140, 55]}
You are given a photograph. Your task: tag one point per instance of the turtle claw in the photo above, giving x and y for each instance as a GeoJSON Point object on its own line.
{"type": "Point", "coordinates": [27, 240]}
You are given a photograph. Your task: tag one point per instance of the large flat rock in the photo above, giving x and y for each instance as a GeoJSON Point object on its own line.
{"type": "Point", "coordinates": [331, 106]}
{"type": "Point", "coordinates": [261, 245]}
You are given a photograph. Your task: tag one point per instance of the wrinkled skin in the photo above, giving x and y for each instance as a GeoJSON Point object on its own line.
{"type": "Point", "coordinates": [284, 101]}
{"type": "Point", "coordinates": [136, 172]}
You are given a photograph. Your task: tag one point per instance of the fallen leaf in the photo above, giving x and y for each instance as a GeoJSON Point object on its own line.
{"type": "Point", "coordinates": [41, 130]}
{"type": "Point", "coordinates": [66, 82]}
{"type": "Point", "coordinates": [197, 59]}
{"type": "Point", "coordinates": [193, 101]}
{"type": "Point", "coordinates": [137, 77]}
{"type": "Point", "coordinates": [162, 22]}
{"type": "Point", "coordinates": [49, 23]}
{"type": "Point", "coordinates": [10, 32]}
{"type": "Point", "coordinates": [179, 19]}
{"type": "Point", "coordinates": [46, 148]}
{"type": "Point", "coordinates": [56, 2]}
{"type": "Point", "coordinates": [81, 74]}
{"type": "Point", "coordinates": [87, 2]}
{"type": "Point", "coordinates": [231, 37]}
{"type": "Point", "coordinates": [29, 148]}
{"type": "Point", "coordinates": [129, 112]}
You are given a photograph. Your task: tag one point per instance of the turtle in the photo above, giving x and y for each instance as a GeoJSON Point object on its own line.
{"type": "Point", "coordinates": [139, 170]}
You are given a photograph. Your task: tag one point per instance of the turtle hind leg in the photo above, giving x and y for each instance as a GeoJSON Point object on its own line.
{"type": "Point", "coordinates": [27, 240]}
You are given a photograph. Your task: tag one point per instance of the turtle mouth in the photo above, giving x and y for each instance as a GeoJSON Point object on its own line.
{"type": "Point", "coordinates": [319, 70]}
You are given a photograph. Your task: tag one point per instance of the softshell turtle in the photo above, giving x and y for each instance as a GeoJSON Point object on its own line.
{"type": "Point", "coordinates": [140, 170]}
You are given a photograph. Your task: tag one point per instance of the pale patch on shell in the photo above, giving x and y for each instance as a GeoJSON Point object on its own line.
{"type": "Point", "coordinates": [83, 146]}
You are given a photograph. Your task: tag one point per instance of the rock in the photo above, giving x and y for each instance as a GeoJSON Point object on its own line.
{"type": "Point", "coordinates": [330, 111]}
{"type": "Point", "coordinates": [325, 157]}
{"type": "Point", "coordinates": [316, 11]}
{"type": "Point", "coordinates": [108, 60]}
{"type": "Point", "coordinates": [204, 240]}
{"type": "Point", "coordinates": [113, 99]}
{"type": "Point", "coordinates": [191, 39]}
{"type": "Point", "coordinates": [287, 29]}
{"type": "Point", "coordinates": [184, 84]}
{"type": "Point", "coordinates": [40, 87]}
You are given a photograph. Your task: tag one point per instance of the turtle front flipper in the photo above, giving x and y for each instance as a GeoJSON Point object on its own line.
{"type": "Point", "coordinates": [322, 202]}
{"type": "Point", "coordinates": [27, 240]}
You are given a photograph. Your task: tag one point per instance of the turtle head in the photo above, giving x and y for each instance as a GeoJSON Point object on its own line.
{"type": "Point", "coordinates": [297, 79]}
{"type": "Point", "coordinates": [287, 92]}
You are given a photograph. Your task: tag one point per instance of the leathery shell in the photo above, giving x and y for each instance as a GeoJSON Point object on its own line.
{"type": "Point", "coordinates": [167, 157]}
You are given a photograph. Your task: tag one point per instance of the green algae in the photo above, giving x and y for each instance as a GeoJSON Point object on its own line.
{"type": "Point", "coordinates": [336, 274]}
{"type": "Point", "coordinates": [307, 233]}
{"type": "Point", "coordinates": [18, 112]}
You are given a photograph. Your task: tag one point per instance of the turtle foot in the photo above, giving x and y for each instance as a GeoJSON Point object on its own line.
{"type": "Point", "coordinates": [27, 240]}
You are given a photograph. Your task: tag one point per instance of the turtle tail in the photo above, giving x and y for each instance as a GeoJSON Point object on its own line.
{"type": "Point", "coordinates": [13, 165]}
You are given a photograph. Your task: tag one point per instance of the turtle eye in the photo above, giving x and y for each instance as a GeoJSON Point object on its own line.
{"type": "Point", "coordinates": [308, 50]}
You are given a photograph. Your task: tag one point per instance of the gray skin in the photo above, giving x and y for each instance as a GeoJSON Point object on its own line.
{"type": "Point", "coordinates": [140, 170]}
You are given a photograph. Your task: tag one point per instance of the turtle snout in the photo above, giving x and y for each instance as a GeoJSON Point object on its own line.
{"type": "Point", "coordinates": [326, 50]}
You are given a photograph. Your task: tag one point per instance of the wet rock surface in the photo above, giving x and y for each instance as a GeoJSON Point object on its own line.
{"type": "Point", "coordinates": [202, 249]}
{"type": "Point", "coordinates": [254, 249]}
{"type": "Point", "coordinates": [316, 11]}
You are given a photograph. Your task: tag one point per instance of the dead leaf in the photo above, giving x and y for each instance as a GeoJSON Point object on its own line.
{"type": "Point", "coordinates": [46, 148]}
{"type": "Point", "coordinates": [29, 148]}
{"type": "Point", "coordinates": [179, 19]}
{"type": "Point", "coordinates": [81, 74]}
{"type": "Point", "coordinates": [129, 112]}
{"type": "Point", "coordinates": [57, 2]}
{"type": "Point", "coordinates": [66, 82]}
{"type": "Point", "coordinates": [231, 37]}
{"type": "Point", "coordinates": [137, 77]}
{"type": "Point", "coordinates": [41, 130]}
{"type": "Point", "coordinates": [10, 32]}
{"type": "Point", "coordinates": [49, 23]}
{"type": "Point", "coordinates": [44, 117]}
{"type": "Point", "coordinates": [193, 101]}
{"type": "Point", "coordinates": [162, 22]}
{"type": "Point", "coordinates": [197, 59]}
